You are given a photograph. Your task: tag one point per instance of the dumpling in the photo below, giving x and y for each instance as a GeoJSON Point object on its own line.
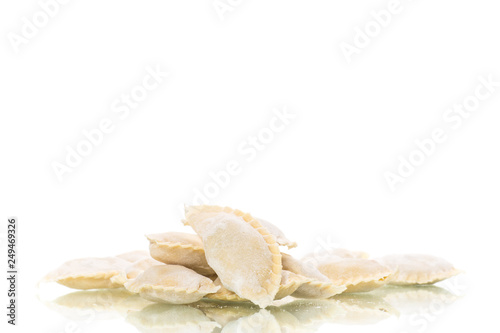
{"type": "Point", "coordinates": [316, 285]}
{"type": "Point", "coordinates": [290, 282]}
{"type": "Point", "coordinates": [171, 284]}
{"type": "Point", "coordinates": [179, 248]}
{"type": "Point", "coordinates": [276, 232]}
{"type": "Point", "coordinates": [345, 253]}
{"type": "Point", "coordinates": [412, 269]}
{"type": "Point", "coordinates": [244, 254]}
{"type": "Point", "coordinates": [134, 269]}
{"type": "Point", "coordinates": [133, 256]}
{"type": "Point", "coordinates": [140, 266]}
{"type": "Point", "coordinates": [358, 275]}
{"type": "Point", "coordinates": [89, 273]}
{"type": "Point", "coordinates": [334, 252]}
{"type": "Point", "coordinates": [224, 294]}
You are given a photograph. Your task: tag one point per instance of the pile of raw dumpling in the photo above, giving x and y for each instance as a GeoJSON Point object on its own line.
{"type": "Point", "coordinates": [236, 257]}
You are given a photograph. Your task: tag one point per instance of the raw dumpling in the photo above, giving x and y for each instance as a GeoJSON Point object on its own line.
{"type": "Point", "coordinates": [89, 273]}
{"type": "Point", "coordinates": [290, 282]}
{"type": "Point", "coordinates": [223, 294]}
{"type": "Point", "coordinates": [358, 275]}
{"type": "Point", "coordinates": [244, 254]}
{"type": "Point", "coordinates": [133, 256]}
{"type": "Point", "coordinates": [171, 284]}
{"type": "Point", "coordinates": [418, 269]}
{"type": "Point", "coordinates": [316, 285]}
{"type": "Point", "coordinates": [134, 269]}
{"type": "Point", "coordinates": [335, 252]}
{"type": "Point", "coordinates": [179, 248]}
{"type": "Point", "coordinates": [140, 266]}
{"type": "Point", "coordinates": [276, 232]}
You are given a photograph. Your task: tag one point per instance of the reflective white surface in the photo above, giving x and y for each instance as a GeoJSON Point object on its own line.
{"type": "Point", "coordinates": [393, 309]}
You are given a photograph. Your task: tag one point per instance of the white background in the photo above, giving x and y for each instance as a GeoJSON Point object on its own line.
{"type": "Point", "coordinates": [322, 177]}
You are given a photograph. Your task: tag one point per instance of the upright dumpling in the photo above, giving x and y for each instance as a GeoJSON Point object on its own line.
{"type": "Point", "coordinates": [418, 269]}
{"type": "Point", "coordinates": [89, 273]}
{"type": "Point", "coordinates": [179, 248]}
{"type": "Point", "coordinates": [358, 275]}
{"type": "Point", "coordinates": [244, 254]}
{"type": "Point", "coordinates": [171, 284]}
{"type": "Point", "coordinates": [281, 239]}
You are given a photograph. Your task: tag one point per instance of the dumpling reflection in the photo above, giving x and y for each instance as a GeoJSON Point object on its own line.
{"type": "Point", "coordinates": [260, 322]}
{"type": "Point", "coordinates": [225, 312]}
{"type": "Point", "coordinates": [363, 309]}
{"type": "Point", "coordinates": [166, 318]}
{"type": "Point", "coordinates": [287, 321]}
{"type": "Point", "coordinates": [100, 300]}
{"type": "Point", "coordinates": [80, 305]}
{"type": "Point", "coordinates": [299, 316]}
{"type": "Point", "coordinates": [290, 315]}
{"type": "Point", "coordinates": [412, 299]}
{"type": "Point", "coordinates": [313, 313]}
{"type": "Point", "coordinates": [132, 303]}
